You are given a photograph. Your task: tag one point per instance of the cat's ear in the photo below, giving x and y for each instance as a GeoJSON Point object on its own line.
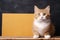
{"type": "Point", "coordinates": [48, 8]}
{"type": "Point", "coordinates": [36, 9]}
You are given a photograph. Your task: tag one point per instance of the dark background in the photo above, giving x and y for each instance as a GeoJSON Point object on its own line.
{"type": "Point", "coordinates": [22, 6]}
{"type": "Point", "coordinates": [27, 6]}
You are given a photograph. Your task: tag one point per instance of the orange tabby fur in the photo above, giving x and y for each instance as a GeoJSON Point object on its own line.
{"type": "Point", "coordinates": [50, 29]}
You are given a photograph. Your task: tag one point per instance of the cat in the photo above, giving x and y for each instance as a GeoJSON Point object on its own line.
{"type": "Point", "coordinates": [42, 25]}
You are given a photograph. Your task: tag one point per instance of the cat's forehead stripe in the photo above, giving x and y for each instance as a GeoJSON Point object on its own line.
{"type": "Point", "coordinates": [41, 13]}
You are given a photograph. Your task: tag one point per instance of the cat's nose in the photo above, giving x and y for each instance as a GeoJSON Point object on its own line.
{"type": "Point", "coordinates": [42, 17]}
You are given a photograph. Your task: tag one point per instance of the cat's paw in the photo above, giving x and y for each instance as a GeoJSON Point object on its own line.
{"type": "Point", "coordinates": [36, 36]}
{"type": "Point", "coordinates": [47, 36]}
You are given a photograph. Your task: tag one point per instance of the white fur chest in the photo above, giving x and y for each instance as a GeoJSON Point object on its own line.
{"type": "Point", "coordinates": [41, 26]}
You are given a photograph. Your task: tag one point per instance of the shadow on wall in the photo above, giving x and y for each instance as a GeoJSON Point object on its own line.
{"type": "Point", "coordinates": [0, 23]}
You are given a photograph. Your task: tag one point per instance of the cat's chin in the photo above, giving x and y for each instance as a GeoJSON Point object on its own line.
{"type": "Point", "coordinates": [41, 20]}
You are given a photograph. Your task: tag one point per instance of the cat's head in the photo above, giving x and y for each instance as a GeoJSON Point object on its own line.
{"type": "Point", "coordinates": [42, 14]}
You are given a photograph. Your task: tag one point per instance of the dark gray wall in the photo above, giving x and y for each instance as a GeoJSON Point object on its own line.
{"type": "Point", "coordinates": [55, 15]}
{"type": "Point", "coordinates": [22, 6]}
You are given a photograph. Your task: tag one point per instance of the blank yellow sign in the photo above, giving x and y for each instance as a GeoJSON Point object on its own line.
{"type": "Point", "coordinates": [17, 24]}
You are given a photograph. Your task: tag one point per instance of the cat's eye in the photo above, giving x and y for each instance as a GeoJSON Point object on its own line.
{"type": "Point", "coordinates": [44, 13]}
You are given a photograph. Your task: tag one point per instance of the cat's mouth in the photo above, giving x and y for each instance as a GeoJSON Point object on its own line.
{"type": "Point", "coordinates": [42, 20]}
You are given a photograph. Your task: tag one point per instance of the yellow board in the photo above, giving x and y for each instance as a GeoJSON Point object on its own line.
{"type": "Point", "coordinates": [17, 24]}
